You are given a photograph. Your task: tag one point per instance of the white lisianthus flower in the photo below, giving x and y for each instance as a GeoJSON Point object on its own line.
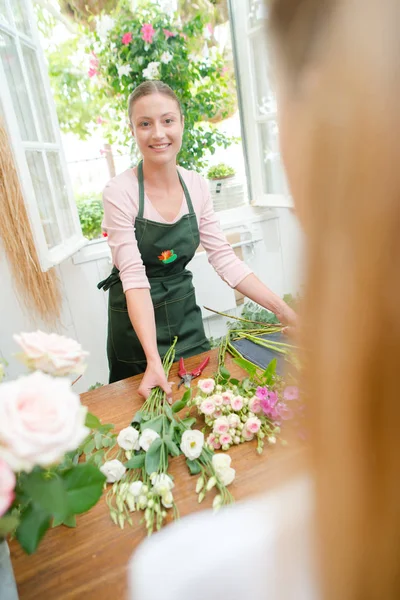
{"type": "Point", "coordinates": [166, 57]}
{"type": "Point", "coordinates": [136, 488]}
{"type": "Point", "coordinates": [147, 438]}
{"type": "Point", "coordinates": [162, 483]}
{"type": "Point", "coordinates": [227, 476]}
{"type": "Point", "coordinates": [128, 439]}
{"type": "Point", "coordinates": [114, 470]}
{"type": "Point", "coordinates": [192, 443]}
{"type": "Point", "coordinates": [123, 70]}
{"type": "Point", "coordinates": [151, 71]}
{"type": "Point", "coordinates": [167, 499]}
{"type": "Point", "coordinates": [221, 461]}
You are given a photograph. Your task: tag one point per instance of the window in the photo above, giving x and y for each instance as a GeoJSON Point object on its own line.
{"type": "Point", "coordinates": [265, 172]}
{"type": "Point", "coordinates": [27, 107]}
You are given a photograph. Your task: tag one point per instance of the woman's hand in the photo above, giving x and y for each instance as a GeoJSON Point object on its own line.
{"type": "Point", "coordinates": [288, 317]}
{"type": "Point", "coordinates": [154, 376]}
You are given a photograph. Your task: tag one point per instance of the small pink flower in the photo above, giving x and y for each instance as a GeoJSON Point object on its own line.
{"type": "Point", "coordinates": [253, 425]}
{"type": "Point", "coordinates": [284, 412]}
{"type": "Point", "coordinates": [7, 485]}
{"type": "Point", "coordinates": [218, 400]}
{"type": "Point", "coordinates": [234, 421]}
{"type": "Point", "coordinates": [255, 405]}
{"type": "Point", "coordinates": [227, 397]}
{"type": "Point", "coordinates": [247, 435]}
{"type": "Point", "coordinates": [237, 403]}
{"type": "Point", "coordinates": [213, 441]}
{"type": "Point", "coordinates": [126, 38]}
{"type": "Point", "coordinates": [221, 425]}
{"type": "Point", "coordinates": [148, 33]}
{"type": "Point", "coordinates": [206, 385]}
{"type": "Point", "coordinates": [261, 392]}
{"type": "Point", "coordinates": [207, 407]}
{"type": "Point", "coordinates": [268, 404]}
{"type": "Point", "coordinates": [217, 413]}
{"type": "Point", "coordinates": [168, 33]}
{"type": "Point", "coordinates": [92, 72]}
{"type": "Point", "coordinates": [225, 438]}
{"type": "Point", "coordinates": [291, 392]}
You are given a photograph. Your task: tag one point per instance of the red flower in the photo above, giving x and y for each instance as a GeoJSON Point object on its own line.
{"type": "Point", "coordinates": [126, 38]}
{"type": "Point", "coordinates": [148, 32]}
{"type": "Point", "coordinates": [165, 255]}
{"type": "Point", "coordinates": [105, 234]}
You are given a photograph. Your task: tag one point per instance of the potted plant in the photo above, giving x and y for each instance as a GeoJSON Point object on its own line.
{"type": "Point", "coordinates": [226, 191]}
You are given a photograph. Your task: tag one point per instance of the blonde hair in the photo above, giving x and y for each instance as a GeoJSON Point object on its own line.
{"type": "Point", "coordinates": [146, 89]}
{"type": "Point", "coordinates": [350, 200]}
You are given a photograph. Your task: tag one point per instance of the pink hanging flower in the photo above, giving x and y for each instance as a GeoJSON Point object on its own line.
{"type": "Point", "coordinates": [148, 33]}
{"type": "Point", "coordinates": [291, 392]}
{"type": "Point", "coordinates": [168, 33]}
{"type": "Point", "coordinates": [126, 38]}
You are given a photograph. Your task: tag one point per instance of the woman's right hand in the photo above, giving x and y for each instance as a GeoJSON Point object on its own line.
{"type": "Point", "coordinates": [154, 376]}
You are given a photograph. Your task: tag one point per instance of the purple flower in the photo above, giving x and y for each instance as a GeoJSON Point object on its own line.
{"type": "Point", "coordinates": [291, 392]}
{"type": "Point", "coordinates": [261, 392]}
{"type": "Point", "coordinates": [268, 403]}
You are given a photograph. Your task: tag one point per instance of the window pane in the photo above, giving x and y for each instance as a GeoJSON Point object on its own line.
{"type": "Point", "coordinates": [20, 14]}
{"type": "Point", "coordinates": [274, 181]}
{"type": "Point", "coordinates": [17, 87]}
{"type": "Point", "coordinates": [257, 12]}
{"type": "Point", "coordinates": [265, 99]}
{"type": "Point", "coordinates": [43, 197]}
{"type": "Point", "coordinates": [61, 193]}
{"type": "Point", "coordinates": [38, 93]}
{"type": "Point", "coordinates": [3, 12]}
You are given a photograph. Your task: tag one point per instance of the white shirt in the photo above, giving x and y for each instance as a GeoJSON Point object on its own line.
{"type": "Point", "coordinates": [256, 550]}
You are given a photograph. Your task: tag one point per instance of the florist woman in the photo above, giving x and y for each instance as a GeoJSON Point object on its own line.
{"type": "Point", "coordinates": [156, 215]}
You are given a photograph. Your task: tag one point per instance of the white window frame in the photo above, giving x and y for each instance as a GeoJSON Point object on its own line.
{"type": "Point", "coordinates": [48, 257]}
{"type": "Point", "coordinates": [242, 34]}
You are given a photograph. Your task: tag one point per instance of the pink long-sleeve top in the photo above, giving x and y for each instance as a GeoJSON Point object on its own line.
{"type": "Point", "coordinates": [121, 205]}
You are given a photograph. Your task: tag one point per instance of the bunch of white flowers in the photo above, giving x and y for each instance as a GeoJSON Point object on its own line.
{"type": "Point", "coordinates": [152, 71]}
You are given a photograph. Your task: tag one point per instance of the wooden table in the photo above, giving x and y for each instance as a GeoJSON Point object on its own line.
{"type": "Point", "coordinates": [90, 561]}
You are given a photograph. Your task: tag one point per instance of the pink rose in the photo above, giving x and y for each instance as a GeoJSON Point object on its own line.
{"type": "Point", "coordinates": [237, 403]}
{"type": "Point", "coordinates": [7, 485]}
{"type": "Point", "coordinates": [126, 39]}
{"type": "Point", "coordinates": [291, 392]}
{"type": "Point", "coordinates": [247, 435]}
{"type": "Point", "coordinates": [168, 33]}
{"type": "Point", "coordinates": [253, 425]}
{"type": "Point", "coordinates": [255, 405]}
{"type": "Point", "coordinates": [207, 407]}
{"type": "Point", "coordinates": [213, 441]}
{"type": "Point", "coordinates": [225, 438]}
{"type": "Point", "coordinates": [218, 400]}
{"type": "Point", "coordinates": [234, 421]}
{"type": "Point", "coordinates": [41, 419]}
{"type": "Point", "coordinates": [51, 353]}
{"type": "Point", "coordinates": [206, 385]}
{"type": "Point", "coordinates": [217, 413]}
{"type": "Point", "coordinates": [221, 425]}
{"type": "Point", "coordinates": [227, 397]}
{"type": "Point", "coordinates": [148, 33]}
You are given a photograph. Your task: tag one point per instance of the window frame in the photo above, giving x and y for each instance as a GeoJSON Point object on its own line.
{"type": "Point", "coordinates": [69, 244]}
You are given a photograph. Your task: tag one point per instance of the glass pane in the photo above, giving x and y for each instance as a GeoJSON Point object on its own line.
{"type": "Point", "coordinates": [61, 193]}
{"type": "Point", "coordinates": [274, 181]}
{"type": "Point", "coordinates": [3, 12]}
{"type": "Point", "coordinates": [257, 12]}
{"type": "Point", "coordinates": [265, 99]}
{"type": "Point", "coordinates": [38, 93]}
{"type": "Point", "coordinates": [20, 13]}
{"type": "Point", "coordinates": [17, 87]}
{"type": "Point", "coordinates": [43, 197]}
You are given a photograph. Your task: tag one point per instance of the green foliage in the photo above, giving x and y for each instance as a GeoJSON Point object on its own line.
{"type": "Point", "coordinates": [90, 211]}
{"type": "Point", "coordinates": [94, 387]}
{"type": "Point", "coordinates": [220, 171]}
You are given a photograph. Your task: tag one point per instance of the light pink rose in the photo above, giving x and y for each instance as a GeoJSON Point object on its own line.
{"type": "Point", "coordinates": [237, 403]}
{"type": "Point", "coordinates": [253, 425]}
{"type": "Point", "coordinates": [225, 438]}
{"type": "Point", "coordinates": [218, 400]}
{"type": "Point", "coordinates": [247, 435]}
{"type": "Point", "coordinates": [217, 413]}
{"type": "Point", "coordinates": [213, 441]}
{"type": "Point", "coordinates": [234, 421]}
{"type": "Point", "coordinates": [227, 397]}
{"type": "Point", "coordinates": [206, 385]}
{"type": "Point", "coordinates": [7, 485]}
{"type": "Point", "coordinates": [41, 419]}
{"type": "Point", "coordinates": [255, 405]}
{"type": "Point", "coordinates": [221, 425]}
{"type": "Point", "coordinates": [51, 353]}
{"type": "Point", "coordinates": [207, 407]}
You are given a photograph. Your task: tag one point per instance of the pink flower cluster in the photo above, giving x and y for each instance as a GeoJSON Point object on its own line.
{"type": "Point", "coordinates": [126, 38]}
{"type": "Point", "coordinates": [93, 65]}
{"type": "Point", "coordinates": [270, 404]}
{"type": "Point", "coordinates": [148, 32]}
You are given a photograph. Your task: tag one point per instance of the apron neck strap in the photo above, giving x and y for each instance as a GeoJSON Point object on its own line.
{"type": "Point", "coordinates": [141, 192]}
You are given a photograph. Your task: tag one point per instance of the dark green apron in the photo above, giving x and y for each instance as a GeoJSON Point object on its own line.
{"type": "Point", "coordinates": [165, 249]}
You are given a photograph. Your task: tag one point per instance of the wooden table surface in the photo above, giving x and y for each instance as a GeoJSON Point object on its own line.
{"type": "Point", "coordinates": [90, 561]}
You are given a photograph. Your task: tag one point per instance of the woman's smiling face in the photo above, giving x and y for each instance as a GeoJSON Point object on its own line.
{"type": "Point", "coordinates": [157, 126]}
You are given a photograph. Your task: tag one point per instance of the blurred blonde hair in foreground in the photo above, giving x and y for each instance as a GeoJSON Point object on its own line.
{"type": "Point", "coordinates": [349, 204]}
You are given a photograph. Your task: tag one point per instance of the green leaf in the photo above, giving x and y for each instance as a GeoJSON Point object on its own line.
{"type": "Point", "coordinates": [104, 429]}
{"type": "Point", "coordinates": [8, 523]}
{"type": "Point", "coordinates": [172, 447]}
{"type": "Point", "coordinates": [47, 493]}
{"type": "Point", "coordinates": [188, 422]}
{"type": "Point", "coordinates": [186, 396]}
{"type": "Point", "coordinates": [138, 417]}
{"type": "Point", "coordinates": [194, 466]}
{"type": "Point", "coordinates": [168, 411]}
{"type": "Point", "coordinates": [155, 424]}
{"type": "Point", "coordinates": [223, 371]}
{"type": "Point", "coordinates": [247, 366]}
{"type": "Point", "coordinates": [153, 457]}
{"type": "Point", "coordinates": [69, 521]}
{"type": "Point", "coordinates": [270, 372]}
{"type": "Point", "coordinates": [84, 485]}
{"type": "Point", "coordinates": [136, 462]}
{"type": "Point", "coordinates": [98, 440]}
{"type": "Point", "coordinates": [178, 405]}
{"type": "Point", "coordinates": [234, 381]}
{"type": "Point", "coordinates": [92, 421]}
{"type": "Point", "coordinates": [33, 525]}
{"type": "Point", "coordinates": [89, 446]}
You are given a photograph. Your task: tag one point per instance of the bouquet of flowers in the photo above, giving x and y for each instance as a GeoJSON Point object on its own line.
{"type": "Point", "coordinates": [42, 423]}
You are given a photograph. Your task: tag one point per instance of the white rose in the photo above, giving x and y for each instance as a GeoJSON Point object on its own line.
{"type": "Point", "coordinates": [114, 470]}
{"type": "Point", "coordinates": [226, 476]}
{"type": "Point", "coordinates": [147, 438]}
{"type": "Point", "coordinates": [41, 419]}
{"type": "Point", "coordinates": [128, 439]}
{"type": "Point", "coordinates": [162, 483]}
{"type": "Point", "coordinates": [192, 443]}
{"type": "Point", "coordinates": [51, 353]}
{"type": "Point", "coordinates": [221, 461]}
{"type": "Point", "coordinates": [167, 500]}
{"type": "Point", "coordinates": [136, 488]}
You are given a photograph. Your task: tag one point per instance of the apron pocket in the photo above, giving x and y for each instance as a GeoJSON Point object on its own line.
{"type": "Point", "coordinates": [185, 321]}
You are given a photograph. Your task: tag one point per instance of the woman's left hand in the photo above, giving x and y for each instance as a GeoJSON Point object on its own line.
{"type": "Point", "coordinates": [289, 318]}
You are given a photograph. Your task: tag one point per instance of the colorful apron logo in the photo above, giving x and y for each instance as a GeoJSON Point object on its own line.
{"type": "Point", "coordinates": [167, 256]}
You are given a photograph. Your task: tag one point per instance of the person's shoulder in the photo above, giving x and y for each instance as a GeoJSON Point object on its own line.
{"type": "Point", "coordinates": [122, 182]}
{"type": "Point", "coordinates": [191, 177]}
